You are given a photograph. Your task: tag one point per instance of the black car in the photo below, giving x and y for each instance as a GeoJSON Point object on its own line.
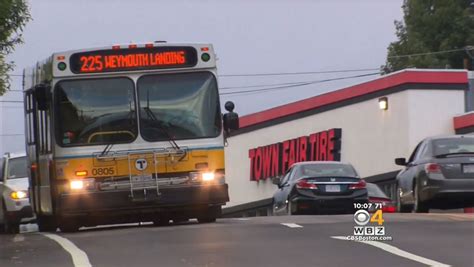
{"type": "Point", "coordinates": [318, 187]}
{"type": "Point", "coordinates": [378, 197]}
{"type": "Point", "coordinates": [438, 174]}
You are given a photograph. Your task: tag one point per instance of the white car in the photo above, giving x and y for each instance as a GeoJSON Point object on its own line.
{"type": "Point", "coordinates": [15, 205]}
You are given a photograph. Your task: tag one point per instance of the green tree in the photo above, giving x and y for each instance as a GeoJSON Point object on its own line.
{"type": "Point", "coordinates": [14, 14]}
{"type": "Point", "coordinates": [432, 26]}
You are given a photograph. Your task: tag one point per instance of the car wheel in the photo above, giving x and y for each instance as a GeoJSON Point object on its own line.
{"type": "Point", "coordinates": [419, 206]}
{"type": "Point", "coordinates": [274, 208]}
{"type": "Point", "coordinates": [9, 226]}
{"type": "Point", "coordinates": [400, 207]}
{"type": "Point", "coordinates": [289, 208]}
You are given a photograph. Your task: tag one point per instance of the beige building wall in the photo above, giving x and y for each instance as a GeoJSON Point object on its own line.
{"type": "Point", "coordinates": [371, 138]}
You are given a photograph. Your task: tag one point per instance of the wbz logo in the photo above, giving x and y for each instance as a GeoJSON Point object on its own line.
{"type": "Point", "coordinates": [369, 230]}
{"type": "Point", "coordinates": [362, 218]}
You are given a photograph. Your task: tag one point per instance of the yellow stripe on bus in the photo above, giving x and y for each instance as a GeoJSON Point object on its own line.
{"type": "Point", "coordinates": [138, 164]}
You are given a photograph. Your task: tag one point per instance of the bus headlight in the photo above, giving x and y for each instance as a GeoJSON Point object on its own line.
{"type": "Point", "coordinates": [82, 184]}
{"type": "Point", "coordinates": [208, 176]}
{"type": "Point", "coordinates": [19, 195]}
{"type": "Point", "coordinates": [77, 184]}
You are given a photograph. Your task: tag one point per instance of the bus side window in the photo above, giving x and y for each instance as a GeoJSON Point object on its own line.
{"type": "Point", "coordinates": [2, 169]}
{"type": "Point", "coordinates": [29, 117]}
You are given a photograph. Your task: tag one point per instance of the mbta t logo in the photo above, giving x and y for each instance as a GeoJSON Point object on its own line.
{"type": "Point", "coordinates": [141, 164]}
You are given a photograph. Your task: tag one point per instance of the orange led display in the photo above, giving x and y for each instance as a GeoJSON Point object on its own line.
{"type": "Point", "coordinates": [136, 59]}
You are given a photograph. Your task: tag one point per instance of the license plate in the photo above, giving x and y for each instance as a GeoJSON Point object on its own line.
{"type": "Point", "coordinates": [142, 179]}
{"type": "Point", "coordinates": [333, 188]}
{"type": "Point", "coordinates": [468, 168]}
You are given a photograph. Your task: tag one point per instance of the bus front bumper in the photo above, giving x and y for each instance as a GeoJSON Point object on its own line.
{"type": "Point", "coordinates": [172, 199]}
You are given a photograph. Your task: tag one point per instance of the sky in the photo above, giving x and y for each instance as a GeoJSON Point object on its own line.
{"type": "Point", "coordinates": [249, 37]}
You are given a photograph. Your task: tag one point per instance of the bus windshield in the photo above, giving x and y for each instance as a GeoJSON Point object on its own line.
{"type": "Point", "coordinates": [95, 111]}
{"type": "Point", "coordinates": [179, 106]}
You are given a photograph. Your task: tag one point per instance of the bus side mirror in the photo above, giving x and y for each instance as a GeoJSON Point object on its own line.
{"type": "Point", "coordinates": [231, 119]}
{"type": "Point", "coordinates": [43, 96]}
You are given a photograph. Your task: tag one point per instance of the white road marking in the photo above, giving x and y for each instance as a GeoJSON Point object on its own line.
{"type": "Point", "coordinates": [79, 257]}
{"type": "Point", "coordinates": [19, 238]}
{"type": "Point", "coordinates": [397, 251]}
{"type": "Point", "coordinates": [292, 225]}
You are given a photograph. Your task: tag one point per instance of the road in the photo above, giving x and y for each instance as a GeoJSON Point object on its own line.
{"type": "Point", "coordinates": [418, 240]}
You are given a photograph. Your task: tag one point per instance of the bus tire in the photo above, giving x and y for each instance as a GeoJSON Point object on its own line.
{"type": "Point", "coordinates": [46, 224]}
{"type": "Point", "coordinates": [206, 219]}
{"type": "Point", "coordinates": [161, 222]}
{"type": "Point", "coordinates": [69, 226]}
{"type": "Point", "coordinates": [210, 215]}
{"type": "Point", "coordinates": [180, 220]}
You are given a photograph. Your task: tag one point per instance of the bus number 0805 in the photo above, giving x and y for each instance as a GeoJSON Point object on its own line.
{"type": "Point", "coordinates": [103, 171]}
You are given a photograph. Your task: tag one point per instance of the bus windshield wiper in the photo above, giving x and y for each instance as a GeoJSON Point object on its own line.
{"type": "Point", "coordinates": [107, 149]}
{"type": "Point", "coordinates": [152, 116]}
{"type": "Point", "coordinates": [162, 127]}
{"type": "Point", "coordinates": [455, 153]}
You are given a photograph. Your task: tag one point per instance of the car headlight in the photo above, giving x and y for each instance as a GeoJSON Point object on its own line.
{"type": "Point", "coordinates": [19, 194]}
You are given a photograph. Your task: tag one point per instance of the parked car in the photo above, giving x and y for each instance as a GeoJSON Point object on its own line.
{"type": "Point", "coordinates": [15, 205]}
{"type": "Point", "coordinates": [377, 196]}
{"type": "Point", "coordinates": [438, 174]}
{"type": "Point", "coordinates": [319, 187]}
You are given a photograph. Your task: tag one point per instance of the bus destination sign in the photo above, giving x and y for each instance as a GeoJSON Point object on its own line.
{"type": "Point", "coordinates": [133, 59]}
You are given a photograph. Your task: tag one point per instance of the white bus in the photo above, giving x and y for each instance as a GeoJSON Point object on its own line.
{"type": "Point", "coordinates": [126, 133]}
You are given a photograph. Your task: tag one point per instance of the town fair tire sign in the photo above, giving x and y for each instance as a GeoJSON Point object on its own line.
{"type": "Point", "coordinates": [275, 159]}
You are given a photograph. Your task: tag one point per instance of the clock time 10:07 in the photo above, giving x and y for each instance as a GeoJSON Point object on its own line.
{"type": "Point", "coordinates": [367, 205]}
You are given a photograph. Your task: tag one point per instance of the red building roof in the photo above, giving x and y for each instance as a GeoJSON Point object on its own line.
{"type": "Point", "coordinates": [463, 121]}
{"type": "Point", "coordinates": [384, 83]}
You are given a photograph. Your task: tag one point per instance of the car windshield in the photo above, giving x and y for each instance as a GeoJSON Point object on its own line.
{"type": "Point", "coordinates": [453, 145]}
{"type": "Point", "coordinates": [327, 169]}
{"type": "Point", "coordinates": [179, 106]}
{"type": "Point", "coordinates": [95, 111]}
{"type": "Point", "coordinates": [17, 168]}
{"type": "Point", "coordinates": [374, 191]}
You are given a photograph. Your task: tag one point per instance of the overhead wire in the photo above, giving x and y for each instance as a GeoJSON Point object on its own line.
{"type": "Point", "coordinates": [260, 85]}
{"type": "Point", "coordinates": [296, 73]}
{"type": "Point", "coordinates": [432, 53]}
{"type": "Point", "coordinates": [298, 85]}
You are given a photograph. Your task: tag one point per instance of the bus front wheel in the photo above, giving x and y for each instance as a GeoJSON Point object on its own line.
{"type": "Point", "coordinates": [210, 215]}
{"type": "Point", "coordinates": [69, 226]}
{"type": "Point", "coordinates": [46, 223]}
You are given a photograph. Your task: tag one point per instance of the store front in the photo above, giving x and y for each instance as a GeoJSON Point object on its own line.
{"type": "Point", "coordinates": [367, 125]}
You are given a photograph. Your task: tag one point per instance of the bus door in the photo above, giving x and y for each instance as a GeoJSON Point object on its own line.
{"type": "Point", "coordinates": [31, 148]}
{"type": "Point", "coordinates": [39, 149]}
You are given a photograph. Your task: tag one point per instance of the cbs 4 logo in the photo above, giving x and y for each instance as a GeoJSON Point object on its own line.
{"type": "Point", "coordinates": [363, 217]}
